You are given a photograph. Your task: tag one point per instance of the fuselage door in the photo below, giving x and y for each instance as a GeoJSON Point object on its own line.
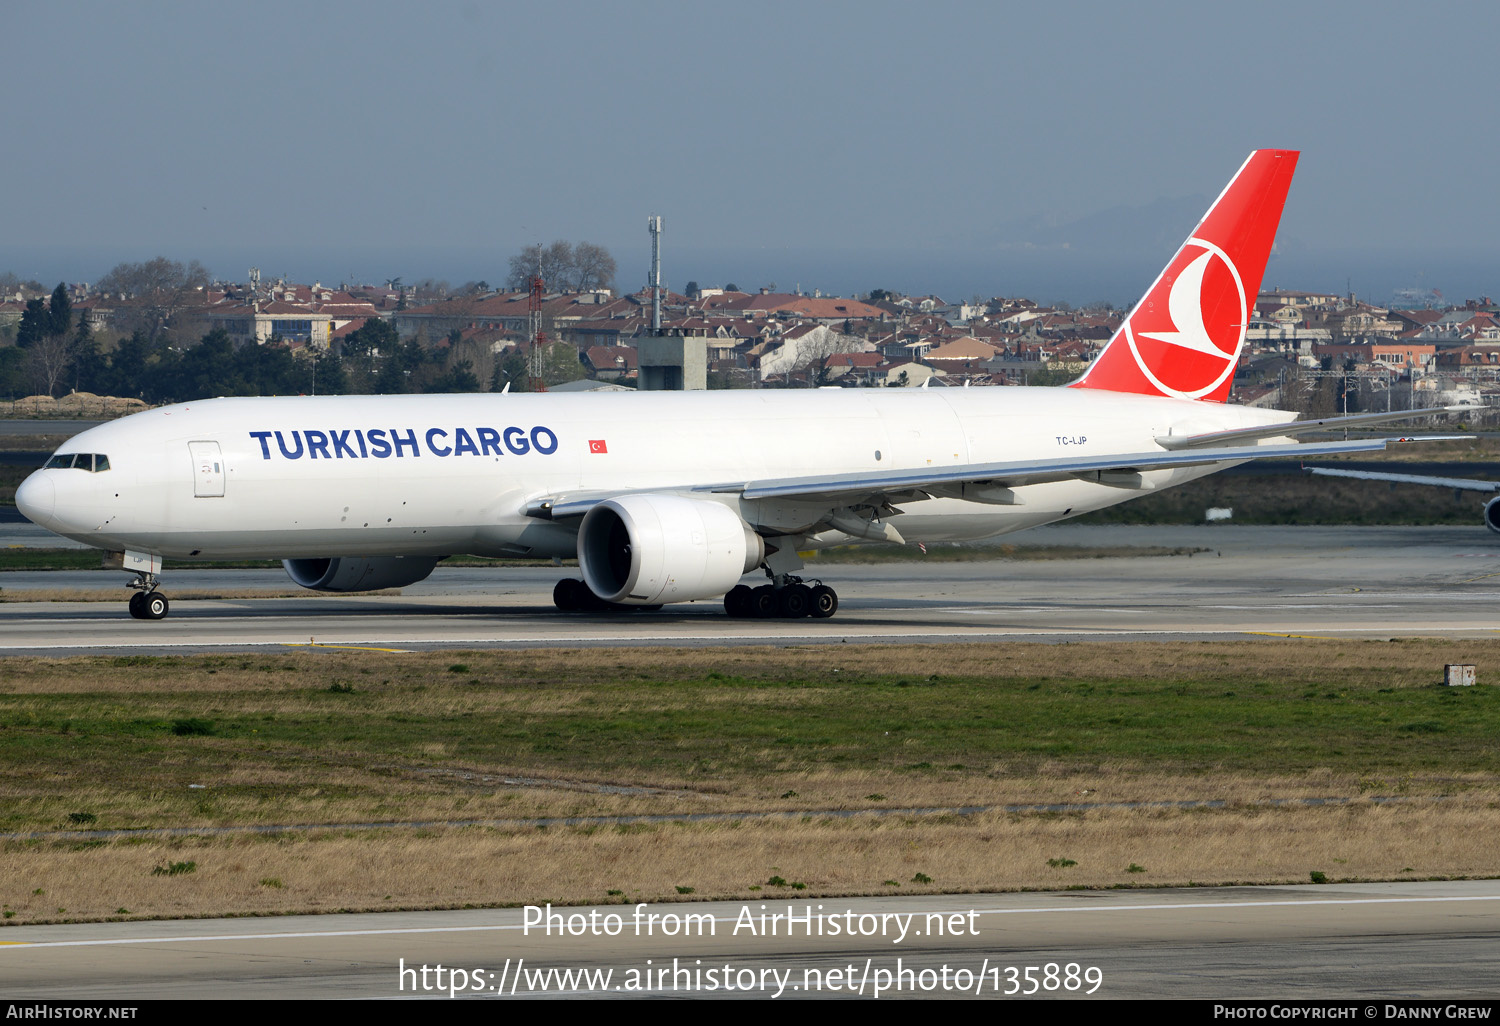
{"type": "Point", "coordinates": [208, 469]}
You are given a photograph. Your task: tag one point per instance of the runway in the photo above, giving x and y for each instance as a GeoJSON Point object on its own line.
{"type": "Point", "coordinates": [1347, 582]}
{"type": "Point", "coordinates": [1354, 942]}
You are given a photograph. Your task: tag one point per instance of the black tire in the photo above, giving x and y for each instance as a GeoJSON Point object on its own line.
{"type": "Point", "coordinates": [138, 605]}
{"type": "Point", "coordinates": [737, 602]}
{"type": "Point", "coordinates": [763, 602]}
{"type": "Point", "coordinates": [565, 594]}
{"type": "Point", "coordinates": [825, 602]}
{"type": "Point", "coordinates": [795, 601]}
{"type": "Point", "coordinates": [155, 606]}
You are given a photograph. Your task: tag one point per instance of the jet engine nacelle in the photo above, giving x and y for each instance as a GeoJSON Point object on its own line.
{"type": "Point", "coordinates": [1492, 514]}
{"type": "Point", "coordinates": [359, 573]}
{"type": "Point", "coordinates": [649, 548]}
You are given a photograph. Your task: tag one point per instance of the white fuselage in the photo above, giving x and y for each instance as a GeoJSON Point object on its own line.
{"type": "Point", "coordinates": [441, 474]}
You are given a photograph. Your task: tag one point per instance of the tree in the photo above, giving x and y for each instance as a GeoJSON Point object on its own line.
{"type": "Point", "coordinates": [88, 363]}
{"type": "Point", "coordinates": [553, 263]}
{"type": "Point", "coordinates": [1050, 377]}
{"type": "Point", "coordinates": [400, 369]}
{"type": "Point", "coordinates": [43, 333]}
{"type": "Point", "coordinates": [161, 288]}
{"type": "Point", "coordinates": [48, 358]}
{"type": "Point", "coordinates": [60, 319]}
{"type": "Point", "coordinates": [35, 321]}
{"type": "Point", "coordinates": [130, 366]}
{"type": "Point", "coordinates": [593, 268]}
{"type": "Point", "coordinates": [371, 338]}
{"type": "Point", "coordinates": [458, 378]}
{"type": "Point", "coordinates": [563, 267]}
{"type": "Point", "coordinates": [208, 368]}
{"type": "Point", "coordinates": [329, 375]}
{"type": "Point", "coordinates": [12, 371]}
{"type": "Point", "coordinates": [512, 370]}
{"type": "Point", "coordinates": [560, 363]}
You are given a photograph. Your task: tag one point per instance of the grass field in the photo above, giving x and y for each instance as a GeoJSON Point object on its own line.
{"type": "Point", "coordinates": [346, 737]}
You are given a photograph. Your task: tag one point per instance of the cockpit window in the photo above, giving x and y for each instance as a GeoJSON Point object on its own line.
{"type": "Point", "coordinates": [92, 462]}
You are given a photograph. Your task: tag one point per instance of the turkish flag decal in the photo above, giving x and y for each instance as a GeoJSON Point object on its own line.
{"type": "Point", "coordinates": [597, 445]}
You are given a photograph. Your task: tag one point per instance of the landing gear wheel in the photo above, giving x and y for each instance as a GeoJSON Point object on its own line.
{"type": "Point", "coordinates": [763, 602]}
{"type": "Point", "coordinates": [737, 602]}
{"type": "Point", "coordinates": [825, 602]}
{"type": "Point", "coordinates": [795, 601]}
{"type": "Point", "coordinates": [138, 605]}
{"type": "Point", "coordinates": [567, 594]}
{"type": "Point", "coordinates": [154, 606]}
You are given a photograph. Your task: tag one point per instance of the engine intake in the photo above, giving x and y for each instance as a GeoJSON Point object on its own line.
{"type": "Point", "coordinates": [359, 573]}
{"type": "Point", "coordinates": [1492, 514]}
{"type": "Point", "coordinates": [651, 548]}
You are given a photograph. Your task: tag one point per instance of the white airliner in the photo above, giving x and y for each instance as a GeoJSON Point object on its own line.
{"type": "Point", "coordinates": [675, 496]}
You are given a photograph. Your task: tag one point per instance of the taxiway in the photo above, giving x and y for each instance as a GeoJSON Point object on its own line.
{"type": "Point", "coordinates": [1348, 582]}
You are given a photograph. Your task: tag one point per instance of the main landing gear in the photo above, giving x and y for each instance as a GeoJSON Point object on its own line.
{"type": "Point", "coordinates": [147, 603]}
{"type": "Point", "coordinates": [790, 601]}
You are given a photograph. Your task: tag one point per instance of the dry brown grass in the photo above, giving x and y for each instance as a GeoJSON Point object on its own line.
{"type": "Point", "coordinates": [45, 440]}
{"type": "Point", "coordinates": [331, 871]}
{"type": "Point", "coordinates": [353, 795]}
{"type": "Point", "coordinates": [1402, 662]}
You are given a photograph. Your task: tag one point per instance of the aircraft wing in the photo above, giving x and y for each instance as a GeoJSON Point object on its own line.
{"type": "Point", "coordinates": [979, 481]}
{"type": "Point", "coordinates": [1467, 484]}
{"type": "Point", "coordinates": [1299, 427]}
{"type": "Point", "coordinates": [847, 488]}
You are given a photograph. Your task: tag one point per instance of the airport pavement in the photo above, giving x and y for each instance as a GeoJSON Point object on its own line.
{"type": "Point", "coordinates": [42, 426]}
{"type": "Point", "coordinates": [1352, 942]}
{"type": "Point", "coordinates": [1367, 582]}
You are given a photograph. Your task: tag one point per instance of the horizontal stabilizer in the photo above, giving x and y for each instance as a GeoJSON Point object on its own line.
{"type": "Point", "coordinates": [1300, 427]}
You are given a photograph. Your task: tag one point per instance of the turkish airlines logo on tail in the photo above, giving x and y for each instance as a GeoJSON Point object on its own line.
{"type": "Point", "coordinates": [1187, 333]}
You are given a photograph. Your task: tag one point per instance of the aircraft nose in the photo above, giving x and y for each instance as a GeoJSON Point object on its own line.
{"type": "Point", "coordinates": [37, 498]}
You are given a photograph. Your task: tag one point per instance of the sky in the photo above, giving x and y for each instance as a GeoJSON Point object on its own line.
{"type": "Point", "coordinates": [1059, 151]}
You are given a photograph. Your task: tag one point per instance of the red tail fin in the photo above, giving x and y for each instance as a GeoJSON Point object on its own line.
{"type": "Point", "coordinates": [1184, 337]}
